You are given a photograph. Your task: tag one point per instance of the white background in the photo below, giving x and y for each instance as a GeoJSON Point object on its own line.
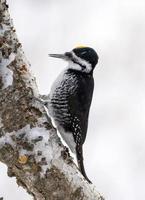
{"type": "Point", "coordinates": [114, 150]}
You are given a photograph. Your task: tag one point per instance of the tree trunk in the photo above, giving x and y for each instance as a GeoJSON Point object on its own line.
{"type": "Point", "coordinates": [29, 144]}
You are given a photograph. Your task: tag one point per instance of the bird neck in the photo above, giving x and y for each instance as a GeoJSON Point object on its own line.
{"type": "Point", "coordinates": [80, 73]}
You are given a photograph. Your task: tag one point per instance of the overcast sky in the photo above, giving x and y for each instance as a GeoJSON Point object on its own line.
{"type": "Point", "coordinates": [114, 150]}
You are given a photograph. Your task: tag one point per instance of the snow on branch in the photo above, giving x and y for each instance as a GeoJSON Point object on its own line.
{"type": "Point", "coordinates": [29, 144]}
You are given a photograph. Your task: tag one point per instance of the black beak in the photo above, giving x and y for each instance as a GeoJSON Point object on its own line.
{"type": "Point", "coordinates": [61, 56]}
{"type": "Point", "coordinates": [65, 56]}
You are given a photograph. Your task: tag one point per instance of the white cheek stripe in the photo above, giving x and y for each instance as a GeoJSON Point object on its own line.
{"type": "Point", "coordinates": [82, 62]}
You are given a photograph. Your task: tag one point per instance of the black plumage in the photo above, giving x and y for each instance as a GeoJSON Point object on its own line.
{"type": "Point", "coordinates": [70, 99]}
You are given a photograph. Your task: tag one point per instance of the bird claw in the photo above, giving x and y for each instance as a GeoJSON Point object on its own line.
{"type": "Point", "coordinates": [41, 100]}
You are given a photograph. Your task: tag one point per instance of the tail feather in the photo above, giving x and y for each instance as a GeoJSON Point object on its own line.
{"type": "Point", "coordinates": [79, 153]}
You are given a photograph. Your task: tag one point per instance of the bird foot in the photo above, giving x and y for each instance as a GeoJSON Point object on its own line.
{"type": "Point", "coordinates": [41, 100]}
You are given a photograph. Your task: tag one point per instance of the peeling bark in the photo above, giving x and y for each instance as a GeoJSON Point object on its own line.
{"type": "Point", "coordinates": [29, 144]}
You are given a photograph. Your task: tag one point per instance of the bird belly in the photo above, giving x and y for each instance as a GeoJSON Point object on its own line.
{"type": "Point", "coordinates": [66, 136]}
{"type": "Point", "coordinates": [61, 117]}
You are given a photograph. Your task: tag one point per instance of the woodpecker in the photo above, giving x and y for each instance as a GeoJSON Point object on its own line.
{"type": "Point", "coordinates": [70, 99]}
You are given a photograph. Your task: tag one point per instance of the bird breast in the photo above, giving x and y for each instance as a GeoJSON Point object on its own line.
{"type": "Point", "coordinates": [64, 86]}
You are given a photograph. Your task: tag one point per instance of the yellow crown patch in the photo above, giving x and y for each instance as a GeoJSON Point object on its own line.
{"type": "Point", "coordinates": [80, 46]}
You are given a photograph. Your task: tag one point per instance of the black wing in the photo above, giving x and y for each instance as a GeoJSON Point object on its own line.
{"type": "Point", "coordinates": [79, 106]}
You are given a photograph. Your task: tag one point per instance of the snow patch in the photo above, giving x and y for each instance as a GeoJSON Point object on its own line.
{"type": "Point", "coordinates": [6, 140]}
{"type": "Point", "coordinates": [1, 124]}
{"type": "Point", "coordinates": [78, 180]}
{"type": "Point", "coordinates": [47, 153]}
{"type": "Point", "coordinates": [44, 148]}
{"type": "Point", "coordinates": [5, 72]}
{"type": "Point", "coordinates": [28, 76]}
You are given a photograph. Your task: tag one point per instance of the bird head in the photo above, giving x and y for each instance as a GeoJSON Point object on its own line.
{"type": "Point", "coordinates": [81, 58]}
